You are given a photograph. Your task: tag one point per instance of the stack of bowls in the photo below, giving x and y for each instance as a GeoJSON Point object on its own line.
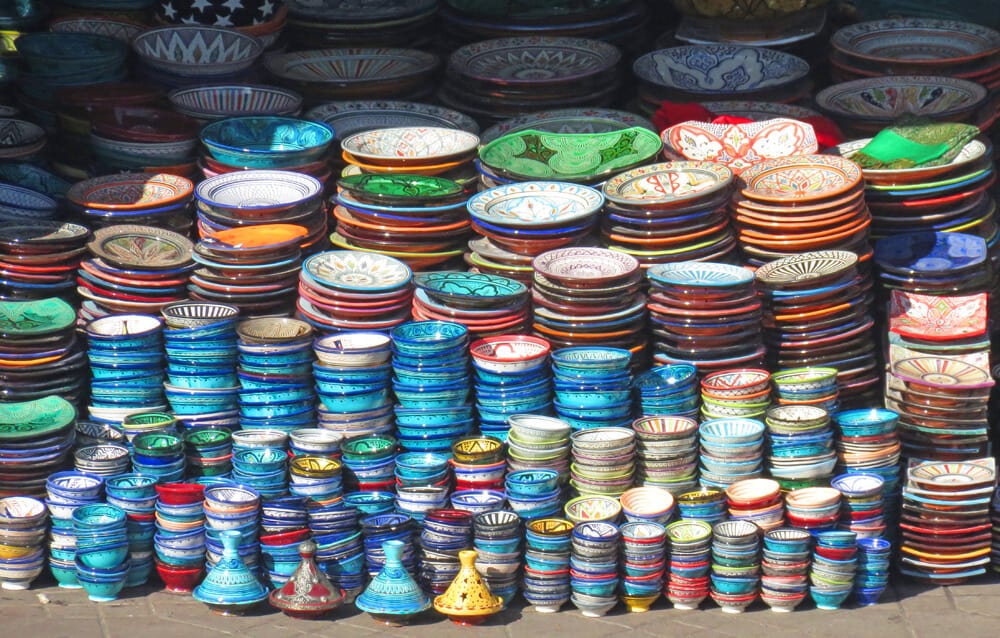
{"type": "Point", "coordinates": [644, 546]}
{"type": "Point", "coordinates": [593, 386]}
{"type": "Point", "coordinates": [488, 305]}
{"type": "Point", "coordinates": [134, 268]}
{"type": "Point", "coordinates": [603, 461]}
{"type": "Point", "coordinates": [731, 450]}
{"type": "Point", "coordinates": [872, 576]}
{"type": "Point", "coordinates": [283, 514]}
{"type": "Point", "coordinates": [354, 290]}
{"type": "Point", "coordinates": [247, 439]}
{"type": "Point", "coordinates": [668, 390]}
{"type": "Point", "coordinates": [533, 493]}
{"type": "Point", "coordinates": [758, 501]}
{"type": "Point", "coordinates": [147, 423]}
{"type": "Point", "coordinates": [801, 444]}
{"type": "Point", "coordinates": [159, 454]}
{"type": "Point", "coordinates": [422, 469]}
{"type": "Point", "coordinates": [102, 560]}
{"type": "Point", "coordinates": [138, 138]}
{"type": "Point", "coordinates": [67, 491]}
{"type": "Point", "coordinates": [136, 495]}
{"type": "Point", "coordinates": [813, 508]}
{"type": "Point", "coordinates": [381, 528]}
{"type": "Point", "coordinates": [647, 504]}
{"type": "Point", "coordinates": [29, 348]}
{"type": "Point", "coordinates": [707, 314]}
{"type": "Point", "coordinates": [318, 478]}
{"type": "Point", "coordinates": [511, 373]}
{"type": "Point", "coordinates": [707, 504]}
{"type": "Point", "coordinates": [746, 391]}
{"type": "Point", "coordinates": [430, 361]}
{"type": "Point", "coordinates": [38, 440]}
{"type": "Point", "coordinates": [370, 463]}
{"type": "Point", "coordinates": [813, 386]}
{"type": "Point", "coordinates": [497, 541]}
{"type": "Point", "coordinates": [219, 101]}
{"type": "Point", "coordinates": [785, 563]}
{"type": "Point", "coordinates": [546, 581]}
{"type": "Point", "coordinates": [443, 535]}
{"type": "Point", "coordinates": [183, 55]}
{"type": "Point", "coordinates": [479, 466]}
{"type": "Point", "coordinates": [352, 357]}
{"type": "Point", "coordinates": [209, 452]}
{"type": "Point", "coordinates": [315, 442]}
{"type": "Point", "coordinates": [834, 565]}
{"type": "Point", "coordinates": [179, 542]}
{"type": "Point", "coordinates": [690, 548]}
{"type": "Point", "coordinates": [336, 531]}
{"type": "Point", "coordinates": [585, 281]}
{"type": "Point", "coordinates": [22, 555]}
{"type": "Point", "coordinates": [279, 555]}
{"type": "Point", "coordinates": [106, 460]}
{"type": "Point", "coordinates": [417, 150]}
{"type": "Point", "coordinates": [863, 507]}
{"type": "Point", "coordinates": [735, 577]}
{"type": "Point", "coordinates": [264, 469]}
{"type": "Point", "coordinates": [672, 212]}
{"type": "Point", "coordinates": [126, 361]}
{"type": "Point", "coordinates": [232, 507]}
{"type": "Point", "coordinates": [418, 501]}
{"type": "Point", "coordinates": [275, 371]}
{"type": "Point", "coordinates": [667, 453]}
{"type": "Point", "coordinates": [539, 443]}
{"type": "Point", "coordinates": [593, 567]}
{"type": "Point", "coordinates": [590, 508]}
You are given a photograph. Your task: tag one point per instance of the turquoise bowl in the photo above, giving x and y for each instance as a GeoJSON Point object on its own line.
{"type": "Point", "coordinates": [427, 337]}
{"type": "Point", "coordinates": [267, 141]}
{"type": "Point", "coordinates": [101, 591]}
{"type": "Point", "coordinates": [361, 400]}
{"type": "Point", "coordinates": [588, 400]}
{"type": "Point", "coordinates": [103, 557]}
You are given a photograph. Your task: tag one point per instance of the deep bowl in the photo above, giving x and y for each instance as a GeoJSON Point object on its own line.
{"type": "Point", "coordinates": [267, 141]}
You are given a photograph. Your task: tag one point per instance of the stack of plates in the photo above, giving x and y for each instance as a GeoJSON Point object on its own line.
{"type": "Point", "coordinates": [942, 407]}
{"type": "Point", "coordinates": [127, 364]}
{"type": "Point", "coordinates": [796, 204]}
{"type": "Point", "coordinates": [161, 200]}
{"type": "Point", "coordinates": [419, 219]}
{"type": "Point", "coordinates": [598, 296]}
{"type": "Point", "coordinates": [420, 150]}
{"type": "Point", "coordinates": [817, 312]}
{"type": "Point", "coordinates": [134, 268]}
{"type": "Point", "coordinates": [706, 314]}
{"type": "Point", "coordinates": [266, 252]}
{"type": "Point", "coordinates": [903, 46]}
{"type": "Point", "coordinates": [668, 390]}
{"type": "Point", "coordinates": [40, 355]}
{"type": "Point", "coordinates": [807, 386]}
{"type": "Point", "coordinates": [39, 259]}
{"type": "Point", "coordinates": [334, 23]}
{"type": "Point", "coordinates": [139, 138]}
{"type": "Point", "coordinates": [321, 75]}
{"type": "Point", "coordinates": [583, 158]}
{"type": "Point", "coordinates": [18, 204]}
{"type": "Point", "coordinates": [743, 392]}
{"type": "Point", "coordinates": [36, 438]}
{"type": "Point", "coordinates": [698, 73]}
{"type": "Point", "coordinates": [497, 79]}
{"type": "Point", "coordinates": [674, 211]}
{"type": "Point", "coordinates": [351, 290]}
{"type": "Point", "coordinates": [667, 453]}
{"type": "Point", "coordinates": [953, 197]}
{"type": "Point", "coordinates": [519, 221]}
{"type": "Point", "coordinates": [488, 305]}
{"type": "Point", "coordinates": [946, 521]}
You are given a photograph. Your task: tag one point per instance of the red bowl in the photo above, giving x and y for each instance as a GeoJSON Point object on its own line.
{"type": "Point", "coordinates": [836, 553]}
{"type": "Point", "coordinates": [179, 580]}
{"type": "Point", "coordinates": [142, 124]}
{"type": "Point", "coordinates": [180, 493]}
{"type": "Point", "coordinates": [286, 538]}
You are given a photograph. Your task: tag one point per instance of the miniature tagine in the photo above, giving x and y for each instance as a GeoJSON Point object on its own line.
{"type": "Point", "coordinates": [468, 600]}
{"type": "Point", "coordinates": [230, 587]}
{"type": "Point", "coordinates": [393, 597]}
{"type": "Point", "coordinates": [308, 593]}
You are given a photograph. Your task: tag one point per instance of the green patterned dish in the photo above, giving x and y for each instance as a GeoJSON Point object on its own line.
{"type": "Point", "coordinates": [402, 189]}
{"type": "Point", "coordinates": [43, 316]}
{"type": "Point", "coordinates": [467, 289]}
{"type": "Point", "coordinates": [571, 157]}
{"type": "Point", "coordinates": [32, 419]}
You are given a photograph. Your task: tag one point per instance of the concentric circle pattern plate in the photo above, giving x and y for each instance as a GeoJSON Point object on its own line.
{"type": "Point", "coordinates": [700, 274]}
{"type": "Point", "coordinates": [805, 267]}
{"type": "Point", "coordinates": [533, 60]}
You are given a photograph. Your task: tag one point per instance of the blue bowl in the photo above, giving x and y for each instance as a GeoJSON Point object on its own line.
{"type": "Point", "coordinates": [427, 337]}
{"type": "Point", "coordinates": [267, 141]}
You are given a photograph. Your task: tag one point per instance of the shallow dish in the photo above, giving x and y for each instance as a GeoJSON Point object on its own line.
{"type": "Point", "coordinates": [189, 50]}
{"type": "Point", "coordinates": [718, 69]}
{"type": "Point", "coordinates": [410, 145]}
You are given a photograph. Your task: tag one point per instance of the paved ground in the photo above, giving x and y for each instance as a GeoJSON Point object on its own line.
{"type": "Point", "coordinates": [906, 611]}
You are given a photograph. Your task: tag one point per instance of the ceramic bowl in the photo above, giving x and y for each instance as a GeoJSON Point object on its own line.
{"type": "Point", "coordinates": [403, 146]}
{"type": "Point", "coordinates": [718, 69]}
{"type": "Point", "coordinates": [266, 141]}
{"type": "Point", "coordinates": [352, 349]}
{"type": "Point", "coordinates": [592, 508]}
{"type": "Point", "coordinates": [872, 100]}
{"type": "Point", "coordinates": [220, 101]}
{"type": "Point", "coordinates": [513, 353]}
{"type": "Point", "coordinates": [193, 51]}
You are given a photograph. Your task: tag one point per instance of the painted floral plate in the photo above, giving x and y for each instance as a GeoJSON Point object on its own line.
{"type": "Point", "coordinates": [407, 190]}
{"type": "Point", "coordinates": [800, 178]}
{"type": "Point", "coordinates": [142, 247]}
{"type": "Point", "coordinates": [533, 61]}
{"type": "Point", "coordinates": [668, 184]}
{"type": "Point", "coordinates": [739, 146]}
{"type": "Point", "coordinates": [37, 418]}
{"type": "Point", "coordinates": [536, 204]}
{"type": "Point", "coordinates": [719, 69]}
{"type": "Point", "coordinates": [410, 145]}
{"type": "Point", "coordinates": [586, 267]}
{"type": "Point", "coordinates": [570, 120]}
{"type": "Point", "coordinates": [470, 289]}
{"type": "Point", "coordinates": [355, 270]}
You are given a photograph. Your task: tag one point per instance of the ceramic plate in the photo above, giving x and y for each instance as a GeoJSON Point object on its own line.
{"type": "Point", "coordinates": [916, 39]}
{"type": "Point", "coordinates": [915, 253]}
{"type": "Point", "coordinates": [260, 189]}
{"type": "Point", "coordinates": [942, 371]}
{"type": "Point", "coordinates": [534, 154]}
{"type": "Point", "coordinates": [668, 183]}
{"type": "Point", "coordinates": [951, 475]}
{"type": "Point", "coordinates": [937, 318]}
{"type": "Point", "coordinates": [700, 274]}
{"type": "Point", "coordinates": [801, 269]}
{"type": "Point", "coordinates": [32, 419]}
{"type": "Point", "coordinates": [711, 69]}
{"type": "Point", "coordinates": [805, 177]}
{"type": "Point", "coordinates": [739, 146]}
{"type": "Point", "coordinates": [533, 61]}
{"type": "Point", "coordinates": [351, 67]}
{"type": "Point", "coordinates": [142, 247]}
{"type": "Point", "coordinates": [536, 204]}
{"type": "Point", "coordinates": [354, 270]}
{"type": "Point", "coordinates": [590, 265]}
{"type": "Point", "coordinates": [348, 118]}
{"type": "Point", "coordinates": [971, 152]}
{"type": "Point", "coordinates": [130, 191]}
{"type": "Point", "coordinates": [410, 144]}
{"type": "Point", "coordinates": [41, 232]}
{"type": "Point", "coordinates": [24, 318]}
{"type": "Point", "coordinates": [889, 98]}
{"type": "Point", "coordinates": [341, 11]}
{"type": "Point", "coordinates": [404, 189]}
{"type": "Point", "coordinates": [574, 120]}
{"type": "Point", "coordinates": [466, 286]}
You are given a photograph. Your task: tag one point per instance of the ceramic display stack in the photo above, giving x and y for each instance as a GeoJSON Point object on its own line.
{"type": "Point", "coordinates": [667, 453]}
{"type": "Point", "coordinates": [731, 450]}
{"type": "Point", "coordinates": [479, 466]}
{"type": "Point", "coordinates": [340, 549]}
{"type": "Point", "coordinates": [942, 545]}
{"type": "Point", "coordinates": [585, 280]}
{"type": "Point", "coordinates": [232, 509]}
{"type": "Point", "coordinates": [104, 459]}
{"type": "Point", "coordinates": [593, 568]}
{"type": "Point", "coordinates": [159, 454]}
{"type": "Point", "coordinates": [136, 495]}
{"type": "Point", "coordinates": [736, 565]}
{"type": "Point", "coordinates": [834, 566]}
{"type": "Point", "coordinates": [445, 534]}
{"type": "Point", "coordinates": [668, 390]}
{"type": "Point", "coordinates": [23, 540]}
{"type": "Point", "coordinates": [539, 443]}
{"type": "Point", "coordinates": [275, 370]}
{"type": "Point", "coordinates": [209, 452]}
{"type": "Point", "coordinates": [179, 543]}
{"type": "Point", "coordinates": [707, 504]}
{"type": "Point", "coordinates": [816, 385]}
{"type": "Point", "coordinates": [378, 529]}
{"type": "Point", "coordinates": [315, 442]}
{"type": "Point", "coordinates": [786, 557]}
{"type": "Point", "coordinates": [510, 369]}
{"type": "Point", "coordinates": [546, 581]}
{"type": "Point", "coordinates": [102, 558]}
{"type": "Point", "coordinates": [687, 582]}
{"type": "Point", "coordinates": [818, 313]}
{"type": "Point", "coordinates": [499, 551]}
{"type": "Point", "coordinates": [863, 509]}
{"type": "Point", "coordinates": [872, 576]}
{"type": "Point", "coordinates": [357, 365]}
{"type": "Point", "coordinates": [603, 461]}
{"type": "Point", "coordinates": [31, 454]}
{"type": "Point", "coordinates": [488, 305]}
{"type": "Point", "coordinates": [757, 501]}
{"type": "Point", "coordinates": [53, 245]}
{"type": "Point", "coordinates": [265, 469]}
{"type": "Point", "coordinates": [644, 546]}
{"type": "Point", "coordinates": [370, 463]}
{"type": "Point", "coordinates": [800, 443]}
{"type": "Point", "coordinates": [814, 508]}
{"type": "Point", "coordinates": [742, 392]}
{"type": "Point", "coordinates": [430, 362]}
{"type": "Point", "coordinates": [705, 314]}
{"type": "Point", "coordinates": [593, 386]}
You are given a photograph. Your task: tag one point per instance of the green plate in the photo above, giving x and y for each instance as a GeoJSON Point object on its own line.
{"type": "Point", "coordinates": [36, 418]}
{"type": "Point", "coordinates": [571, 157]}
{"type": "Point", "coordinates": [26, 318]}
{"type": "Point", "coordinates": [402, 189]}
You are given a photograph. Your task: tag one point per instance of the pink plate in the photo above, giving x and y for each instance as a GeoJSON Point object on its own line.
{"type": "Point", "coordinates": [740, 146]}
{"type": "Point", "coordinates": [937, 318]}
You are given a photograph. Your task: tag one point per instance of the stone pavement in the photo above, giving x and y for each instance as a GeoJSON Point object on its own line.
{"type": "Point", "coordinates": [907, 610]}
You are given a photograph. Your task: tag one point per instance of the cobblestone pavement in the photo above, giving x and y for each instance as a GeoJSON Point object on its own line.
{"type": "Point", "coordinates": [906, 611]}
